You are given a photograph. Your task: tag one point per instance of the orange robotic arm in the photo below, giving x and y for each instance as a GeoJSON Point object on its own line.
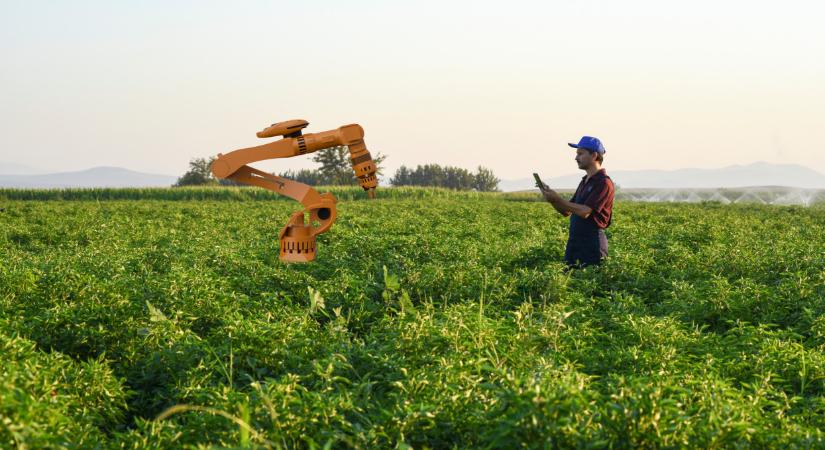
{"type": "Point", "coordinates": [297, 239]}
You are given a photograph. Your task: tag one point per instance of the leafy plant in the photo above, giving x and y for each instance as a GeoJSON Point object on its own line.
{"type": "Point", "coordinates": [431, 318]}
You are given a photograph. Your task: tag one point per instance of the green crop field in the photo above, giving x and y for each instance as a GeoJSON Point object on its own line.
{"type": "Point", "coordinates": [164, 319]}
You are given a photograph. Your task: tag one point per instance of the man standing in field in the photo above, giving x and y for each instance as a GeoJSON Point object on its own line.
{"type": "Point", "coordinates": [590, 209]}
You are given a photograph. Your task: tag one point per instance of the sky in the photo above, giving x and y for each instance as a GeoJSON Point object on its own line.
{"type": "Point", "coordinates": [666, 85]}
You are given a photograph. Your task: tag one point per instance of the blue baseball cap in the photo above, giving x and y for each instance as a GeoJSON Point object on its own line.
{"type": "Point", "coordinates": [590, 143]}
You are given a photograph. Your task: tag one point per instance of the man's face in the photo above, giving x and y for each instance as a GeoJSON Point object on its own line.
{"type": "Point", "coordinates": [584, 158]}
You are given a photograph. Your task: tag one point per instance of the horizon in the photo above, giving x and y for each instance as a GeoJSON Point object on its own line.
{"type": "Point", "coordinates": [39, 171]}
{"type": "Point", "coordinates": [760, 174]}
{"type": "Point", "coordinates": [149, 87]}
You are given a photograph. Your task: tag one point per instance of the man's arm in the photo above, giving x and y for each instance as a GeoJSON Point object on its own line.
{"type": "Point", "coordinates": [563, 206]}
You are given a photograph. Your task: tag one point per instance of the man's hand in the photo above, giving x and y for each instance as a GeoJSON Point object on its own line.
{"type": "Point", "coordinates": [550, 195]}
{"type": "Point", "coordinates": [561, 205]}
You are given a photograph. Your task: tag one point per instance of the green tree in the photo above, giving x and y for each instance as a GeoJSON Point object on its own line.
{"type": "Point", "coordinates": [200, 173]}
{"type": "Point", "coordinates": [306, 176]}
{"type": "Point", "coordinates": [336, 167]}
{"type": "Point", "coordinates": [446, 176]}
{"type": "Point", "coordinates": [402, 177]}
{"type": "Point", "coordinates": [485, 180]}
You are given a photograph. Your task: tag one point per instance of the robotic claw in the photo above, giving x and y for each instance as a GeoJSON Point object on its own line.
{"type": "Point", "coordinates": [298, 239]}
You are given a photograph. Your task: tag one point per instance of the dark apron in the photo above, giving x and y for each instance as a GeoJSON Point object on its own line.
{"type": "Point", "coordinates": [587, 244]}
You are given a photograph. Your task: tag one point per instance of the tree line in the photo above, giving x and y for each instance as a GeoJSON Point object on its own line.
{"type": "Point", "coordinates": [335, 169]}
{"type": "Point", "coordinates": [446, 176]}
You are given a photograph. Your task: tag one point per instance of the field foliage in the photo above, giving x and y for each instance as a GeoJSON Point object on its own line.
{"type": "Point", "coordinates": [430, 319]}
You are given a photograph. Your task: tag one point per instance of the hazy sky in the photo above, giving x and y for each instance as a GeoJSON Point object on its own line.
{"type": "Point", "coordinates": [148, 85]}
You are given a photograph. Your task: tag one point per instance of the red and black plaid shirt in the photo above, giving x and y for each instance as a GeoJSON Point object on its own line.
{"type": "Point", "coordinates": [597, 193]}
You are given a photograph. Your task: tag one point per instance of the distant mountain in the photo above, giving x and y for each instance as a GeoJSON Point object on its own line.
{"type": "Point", "coordinates": [756, 174]}
{"type": "Point", "coordinates": [94, 177]}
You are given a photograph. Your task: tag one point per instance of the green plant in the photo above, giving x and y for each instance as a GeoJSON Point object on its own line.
{"type": "Point", "coordinates": [445, 323]}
